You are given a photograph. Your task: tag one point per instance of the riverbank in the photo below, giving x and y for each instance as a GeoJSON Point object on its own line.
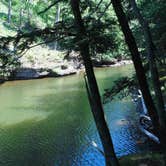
{"type": "Point", "coordinates": [148, 159]}
{"type": "Point", "coordinates": [33, 73]}
{"type": "Point", "coordinates": [44, 62]}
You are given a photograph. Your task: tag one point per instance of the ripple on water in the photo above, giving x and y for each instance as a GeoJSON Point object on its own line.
{"type": "Point", "coordinates": [48, 123]}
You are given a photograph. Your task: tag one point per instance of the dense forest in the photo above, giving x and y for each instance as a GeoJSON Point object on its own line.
{"type": "Point", "coordinates": [106, 38]}
{"type": "Point", "coordinates": [79, 35]}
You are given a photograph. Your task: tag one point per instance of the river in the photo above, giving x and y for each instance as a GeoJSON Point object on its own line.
{"type": "Point", "coordinates": [48, 122]}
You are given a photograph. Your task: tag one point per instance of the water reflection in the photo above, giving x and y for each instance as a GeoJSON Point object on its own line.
{"type": "Point", "coordinates": [48, 122]}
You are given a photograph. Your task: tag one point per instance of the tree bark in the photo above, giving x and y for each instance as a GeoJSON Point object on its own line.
{"type": "Point", "coordinates": [9, 11]}
{"type": "Point", "coordinates": [129, 38]}
{"type": "Point", "coordinates": [29, 14]}
{"type": "Point", "coordinates": [97, 109]}
{"type": "Point", "coordinates": [20, 19]}
{"type": "Point", "coordinates": [57, 19]}
{"type": "Point", "coordinates": [152, 65]}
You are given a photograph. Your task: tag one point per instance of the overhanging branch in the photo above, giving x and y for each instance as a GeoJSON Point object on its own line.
{"type": "Point", "coordinates": [49, 7]}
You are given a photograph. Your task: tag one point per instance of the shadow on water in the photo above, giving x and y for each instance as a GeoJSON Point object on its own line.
{"type": "Point", "coordinates": [48, 122]}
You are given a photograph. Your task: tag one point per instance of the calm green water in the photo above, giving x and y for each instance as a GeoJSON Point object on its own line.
{"type": "Point", "coordinates": [48, 122]}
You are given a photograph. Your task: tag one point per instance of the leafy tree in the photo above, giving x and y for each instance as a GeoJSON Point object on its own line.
{"type": "Point", "coordinates": [95, 32]}
{"type": "Point", "coordinates": [138, 67]}
{"type": "Point", "coordinates": [97, 108]}
{"type": "Point", "coordinates": [153, 11]}
{"type": "Point", "coordinates": [150, 47]}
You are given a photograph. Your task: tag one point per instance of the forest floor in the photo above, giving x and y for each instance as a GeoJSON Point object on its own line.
{"type": "Point", "coordinates": [148, 159]}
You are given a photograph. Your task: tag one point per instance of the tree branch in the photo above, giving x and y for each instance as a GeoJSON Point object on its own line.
{"type": "Point", "coordinates": [49, 7]}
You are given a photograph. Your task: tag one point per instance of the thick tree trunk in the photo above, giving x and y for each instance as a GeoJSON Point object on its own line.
{"type": "Point", "coordinates": [9, 11]}
{"type": "Point", "coordinates": [137, 63]}
{"type": "Point", "coordinates": [97, 108]}
{"type": "Point", "coordinates": [152, 65]}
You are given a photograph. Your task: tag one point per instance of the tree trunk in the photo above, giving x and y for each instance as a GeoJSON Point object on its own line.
{"type": "Point", "coordinates": [29, 14]}
{"type": "Point", "coordinates": [57, 19]}
{"type": "Point", "coordinates": [9, 11]}
{"type": "Point", "coordinates": [97, 109]}
{"type": "Point", "coordinates": [137, 63]}
{"type": "Point", "coordinates": [20, 19]}
{"type": "Point", "coordinates": [152, 65]}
